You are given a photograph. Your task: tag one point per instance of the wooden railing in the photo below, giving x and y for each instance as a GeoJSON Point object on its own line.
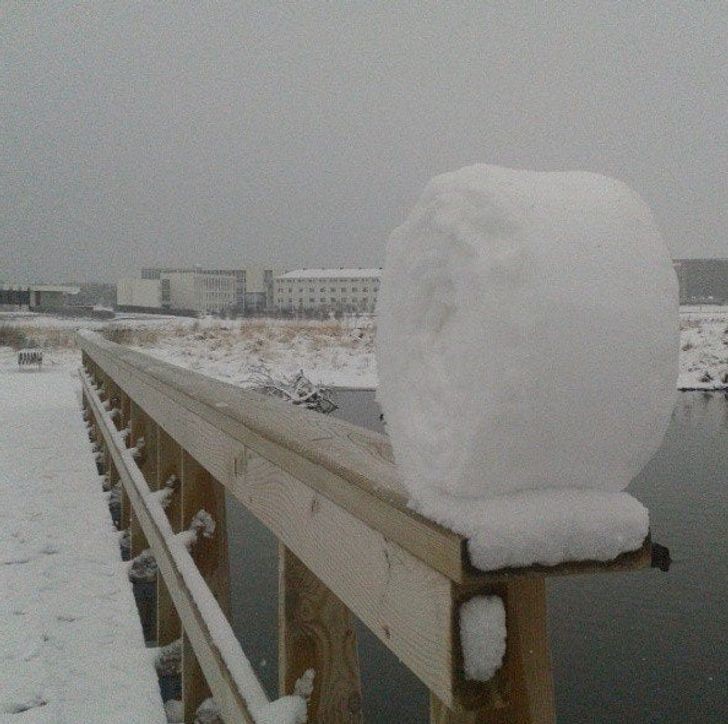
{"type": "Point", "coordinates": [349, 544]}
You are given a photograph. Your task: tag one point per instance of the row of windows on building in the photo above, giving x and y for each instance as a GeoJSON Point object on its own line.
{"type": "Point", "coordinates": [333, 300]}
{"type": "Point", "coordinates": [322, 290]}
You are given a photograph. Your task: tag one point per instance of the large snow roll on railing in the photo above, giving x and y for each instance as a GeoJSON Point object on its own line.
{"type": "Point", "coordinates": [528, 335]}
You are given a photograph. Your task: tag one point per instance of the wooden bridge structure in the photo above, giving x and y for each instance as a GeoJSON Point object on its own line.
{"type": "Point", "coordinates": [348, 546]}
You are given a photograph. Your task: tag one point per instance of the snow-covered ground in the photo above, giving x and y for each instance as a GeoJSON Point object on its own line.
{"type": "Point", "coordinates": [330, 353]}
{"type": "Point", "coordinates": [703, 348]}
{"type": "Point", "coordinates": [335, 353]}
{"type": "Point", "coordinates": [71, 644]}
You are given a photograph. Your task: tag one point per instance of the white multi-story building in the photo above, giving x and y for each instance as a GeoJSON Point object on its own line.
{"type": "Point", "coordinates": [140, 293]}
{"type": "Point", "coordinates": [328, 290]}
{"type": "Point", "coordinates": [199, 290]}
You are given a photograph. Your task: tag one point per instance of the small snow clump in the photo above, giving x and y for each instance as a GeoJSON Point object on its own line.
{"type": "Point", "coordinates": [482, 636]}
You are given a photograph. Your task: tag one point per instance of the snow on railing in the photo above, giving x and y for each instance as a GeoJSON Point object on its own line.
{"type": "Point", "coordinates": [190, 586]}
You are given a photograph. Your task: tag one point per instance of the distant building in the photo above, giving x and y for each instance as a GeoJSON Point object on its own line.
{"type": "Point", "coordinates": [702, 280]}
{"type": "Point", "coordinates": [36, 296]}
{"type": "Point", "coordinates": [199, 290]}
{"type": "Point", "coordinates": [328, 290]}
{"type": "Point", "coordinates": [260, 289]}
{"type": "Point", "coordinates": [139, 293]}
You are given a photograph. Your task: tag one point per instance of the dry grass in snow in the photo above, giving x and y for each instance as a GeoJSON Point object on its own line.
{"type": "Point", "coordinates": [335, 352]}
{"type": "Point", "coordinates": [703, 348]}
{"type": "Point", "coordinates": [332, 352]}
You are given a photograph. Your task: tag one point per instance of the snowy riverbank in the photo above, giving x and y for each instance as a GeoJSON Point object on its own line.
{"type": "Point", "coordinates": [703, 348]}
{"type": "Point", "coordinates": [338, 353]}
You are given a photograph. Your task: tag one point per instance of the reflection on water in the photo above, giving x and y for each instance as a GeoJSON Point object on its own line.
{"type": "Point", "coordinates": [627, 647]}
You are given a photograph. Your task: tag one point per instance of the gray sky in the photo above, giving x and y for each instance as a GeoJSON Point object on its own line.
{"type": "Point", "coordinates": [172, 133]}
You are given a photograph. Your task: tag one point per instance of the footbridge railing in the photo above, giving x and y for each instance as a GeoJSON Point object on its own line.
{"type": "Point", "coordinates": [349, 546]}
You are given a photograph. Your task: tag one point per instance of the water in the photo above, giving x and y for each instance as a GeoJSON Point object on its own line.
{"type": "Point", "coordinates": [627, 647]}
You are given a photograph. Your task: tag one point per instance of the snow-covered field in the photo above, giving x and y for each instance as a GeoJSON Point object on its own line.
{"type": "Point", "coordinates": [337, 353]}
{"type": "Point", "coordinates": [703, 348]}
{"type": "Point", "coordinates": [71, 644]}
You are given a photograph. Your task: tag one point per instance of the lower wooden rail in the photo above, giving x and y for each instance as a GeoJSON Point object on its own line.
{"type": "Point", "coordinates": [236, 690]}
{"type": "Point", "coordinates": [349, 546]}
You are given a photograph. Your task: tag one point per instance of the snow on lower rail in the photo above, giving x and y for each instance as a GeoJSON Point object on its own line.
{"type": "Point", "coordinates": [71, 644]}
{"type": "Point", "coordinates": [285, 710]}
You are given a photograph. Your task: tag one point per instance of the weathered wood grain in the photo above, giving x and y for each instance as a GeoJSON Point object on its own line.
{"type": "Point", "coordinates": [407, 604]}
{"type": "Point", "coordinates": [349, 465]}
{"type": "Point", "coordinates": [169, 463]}
{"type": "Point", "coordinates": [194, 685]}
{"type": "Point", "coordinates": [137, 540]}
{"type": "Point", "coordinates": [316, 631]}
{"type": "Point", "coordinates": [200, 491]}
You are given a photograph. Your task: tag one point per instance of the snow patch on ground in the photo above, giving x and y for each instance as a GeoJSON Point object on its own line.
{"type": "Point", "coordinates": [71, 643]}
{"type": "Point", "coordinates": [337, 353]}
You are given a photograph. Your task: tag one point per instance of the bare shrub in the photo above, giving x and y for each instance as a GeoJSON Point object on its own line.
{"type": "Point", "coordinates": [12, 336]}
{"type": "Point", "coordinates": [131, 336]}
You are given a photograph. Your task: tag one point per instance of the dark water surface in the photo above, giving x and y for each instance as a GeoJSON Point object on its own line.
{"type": "Point", "coordinates": [627, 647]}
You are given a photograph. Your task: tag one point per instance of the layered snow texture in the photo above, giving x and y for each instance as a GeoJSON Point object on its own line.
{"type": "Point", "coordinates": [482, 636]}
{"type": "Point", "coordinates": [542, 526]}
{"type": "Point", "coordinates": [528, 335]}
{"type": "Point", "coordinates": [71, 647]}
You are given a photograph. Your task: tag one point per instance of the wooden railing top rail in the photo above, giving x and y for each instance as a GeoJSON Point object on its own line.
{"type": "Point", "coordinates": [350, 465]}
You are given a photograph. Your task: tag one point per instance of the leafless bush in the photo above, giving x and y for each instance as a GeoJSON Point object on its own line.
{"type": "Point", "coordinates": [12, 336]}
{"type": "Point", "coordinates": [131, 336]}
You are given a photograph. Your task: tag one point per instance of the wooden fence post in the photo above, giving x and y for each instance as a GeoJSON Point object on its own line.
{"type": "Point", "coordinates": [169, 464]}
{"type": "Point", "coordinates": [200, 491]}
{"type": "Point", "coordinates": [125, 505]}
{"type": "Point", "coordinates": [316, 631]}
{"type": "Point", "coordinates": [141, 429]}
{"type": "Point", "coordinates": [525, 680]}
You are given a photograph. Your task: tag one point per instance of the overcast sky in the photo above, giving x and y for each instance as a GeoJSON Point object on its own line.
{"type": "Point", "coordinates": [174, 134]}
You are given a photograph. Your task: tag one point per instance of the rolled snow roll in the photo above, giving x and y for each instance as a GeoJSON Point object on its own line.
{"type": "Point", "coordinates": [527, 334]}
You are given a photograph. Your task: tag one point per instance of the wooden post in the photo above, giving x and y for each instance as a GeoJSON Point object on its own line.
{"type": "Point", "coordinates": [169, 463]}
{"type": "Point", "coordinates": [115, 399]}
{"type": "Point", "coordinates": [125, 521]}
{"type": "Point", "coordinates": [113, 474]}
{"type": "Point", "coordinates": [200, 491]}
{"type": "Point", "coordinates": [137, 429]}
{"type": "Point", "coordinates": [194, 687]}
{"type": "Point", "coordinates": [525, 680]}
{"type": "Point", "coordinates": [316, 631]}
